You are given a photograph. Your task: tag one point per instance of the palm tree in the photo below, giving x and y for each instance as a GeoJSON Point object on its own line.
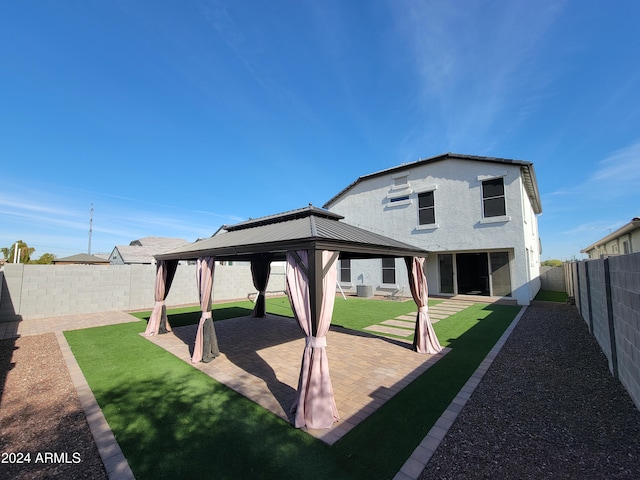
{"type": "Point", "coordinates": [23, 257]}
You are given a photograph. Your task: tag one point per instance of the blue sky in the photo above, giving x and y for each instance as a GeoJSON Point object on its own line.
{"type": "Point", "coordinates": [173, 118]}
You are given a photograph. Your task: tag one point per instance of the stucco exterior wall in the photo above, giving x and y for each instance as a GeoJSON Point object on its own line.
{"type": "Point", "coordinates": [459, 223]}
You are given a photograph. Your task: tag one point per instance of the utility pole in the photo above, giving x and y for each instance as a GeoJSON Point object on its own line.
{"type": "Point", "coordinates": [90, 228]}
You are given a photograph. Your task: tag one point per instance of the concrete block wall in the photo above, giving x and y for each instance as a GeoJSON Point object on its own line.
{"type": "Point", "coordinates": [611, 309]}
{"type": "Point", "coordinates": [582, 298]}
{"type": "Point", "coordinates": [598, 309]}
{"type": "Point", "coordinates": [552, 279]}
{"type": "Point", "coordinates": [11, 292]}
{"type": "Point", "coordinates": [625, 293]}
{"type": "Point", "coordinates": [40, 291]}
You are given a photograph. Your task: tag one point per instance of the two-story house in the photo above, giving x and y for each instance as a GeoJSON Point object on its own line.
{"type": "Point", "coordinates": [476, 215]}
{"type": "Point", "coordinates": [624, 240]}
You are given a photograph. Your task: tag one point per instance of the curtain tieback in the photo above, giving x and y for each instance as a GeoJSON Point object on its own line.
{"type": "Point", "coordinates": [262, 292]}
{"type": "Point", "coordinates": [207, 315]}
{"type": "Point", "coordinates": [159, 302]}
{"type": "Point", "coordinates": [424, 309]}
{"type": "Point", "coordinates": [316, 342]}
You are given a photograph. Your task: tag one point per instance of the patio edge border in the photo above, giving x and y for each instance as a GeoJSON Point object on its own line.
{"type": "Point", "coordinates": [420, 457]}
{"type": "Point", "coordinates": [114, 461]}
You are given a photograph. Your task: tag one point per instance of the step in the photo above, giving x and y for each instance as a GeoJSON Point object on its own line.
{"type": "Point", "coordinates": [449, 308]}
{"type": "Point", "coordinates": [400, 332]}
{"type": "Point", "coordinates": [400, 323]}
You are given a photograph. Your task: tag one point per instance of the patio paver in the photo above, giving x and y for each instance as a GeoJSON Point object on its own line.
{"type": "Point", "coordinates": [260, 359]}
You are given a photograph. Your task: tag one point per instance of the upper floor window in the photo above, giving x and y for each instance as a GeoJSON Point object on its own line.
{"type": "Point", "coordinates": [388, 270]}
{"type": "Point", "coordinates": [426, 208]}
{"type": "Point", "coordinates": [493, 197]}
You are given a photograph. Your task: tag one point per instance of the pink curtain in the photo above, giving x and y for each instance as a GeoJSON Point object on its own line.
{"type": "Point", "coordinates": [315, 406]}
{"type": "Point", "coordinates": [206, 345]}
{"type": "Point", "coordinates": [425, 339]}
{"type": "Point", "coordinates": [158, 321]}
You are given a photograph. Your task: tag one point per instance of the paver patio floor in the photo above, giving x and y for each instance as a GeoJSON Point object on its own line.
{"type": "Point", "coordinates": [260, 359]}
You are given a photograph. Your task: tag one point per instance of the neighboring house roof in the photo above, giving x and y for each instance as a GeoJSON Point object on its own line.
{"type": "Point", "coordinates": [526, 168]}
{"type": "Point", "coordinates": [158, 242]}
{"type": "Point", "coordinates": [301, 229]}
{"type": "Point", "coordinates": [628, 228]}
{"type": "Point", "coordinates": [82, 258]}
{"type": "Point", "coordinates": [144, 249]}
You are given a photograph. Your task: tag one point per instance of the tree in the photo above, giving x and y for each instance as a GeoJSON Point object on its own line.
{"type": "Point", "coordinates": [45, 259]}
{"type": "Point", "coordinates": [24, 255]}
{"type": "Point", "coordinates": [552, 263]}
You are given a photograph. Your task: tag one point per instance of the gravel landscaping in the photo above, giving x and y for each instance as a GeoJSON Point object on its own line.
{"type": "Point", "coordinates": [547, 408]}
{"type": "Point", "coordinates": [44, 432]}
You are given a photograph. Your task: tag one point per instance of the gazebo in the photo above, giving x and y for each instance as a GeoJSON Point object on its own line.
{"type": "Point", "coordinates": [310, 240]}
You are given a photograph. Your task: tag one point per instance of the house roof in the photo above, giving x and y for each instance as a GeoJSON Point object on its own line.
{"type": "Point", "coordinates": [304, 228]}
{"type": "Point", "coordinates": [83, 258]}
{"type": "Point", "coordinates": [526, 168]}
{"type": "Point", "coordinates": [158, 242]}
{"type": "Point", "coordinates": [144, 249]}
{"type": "Point", "coordinates": [629, 227]}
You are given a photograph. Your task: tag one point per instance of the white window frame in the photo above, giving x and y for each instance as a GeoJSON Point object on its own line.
{"type": "Point", "coordinates": [426, 226]}
{"type": "Point", "coordinates": [497, 218]}
{"type": "Point", "coordinates": [383, 268]}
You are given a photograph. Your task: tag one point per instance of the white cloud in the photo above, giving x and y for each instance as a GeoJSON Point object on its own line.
{"type": "Point", "coordinates": [617, 175]}
{"type": "Point", "coordinates": [478, 67]}
{"type": "Point", "coordinates": [620, 171]}
{"type": "Point", "coordinates": [56, 219]}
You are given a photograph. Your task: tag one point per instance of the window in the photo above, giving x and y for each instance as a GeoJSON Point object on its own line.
{"type": "Point", "coordinates": [493, 197]}
{"type": "Point", "coordinates": [426, 208]}
{"type": "Point", "coordinates": [399, 199]}
{"type": "Point", "coordinates": [388, 270]}
{"type": "Point", "coordinates": [345, 271]}
{"type": "Point", "coordinates": [625, 247]}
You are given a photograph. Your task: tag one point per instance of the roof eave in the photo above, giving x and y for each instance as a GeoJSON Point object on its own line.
{"type": "Point", "coordinates": [406, 166]}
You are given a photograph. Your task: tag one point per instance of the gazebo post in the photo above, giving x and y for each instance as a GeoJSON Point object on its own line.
{"type": "Point", "coordinates": [310, 275]}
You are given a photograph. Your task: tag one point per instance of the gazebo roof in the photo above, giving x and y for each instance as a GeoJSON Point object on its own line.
{"type": "Point", "coordinates": [305, 228]}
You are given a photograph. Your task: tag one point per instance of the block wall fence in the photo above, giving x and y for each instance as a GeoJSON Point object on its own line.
{"type": "Point", "coordinates": [607, 295]}
{"type": "Point", "coordinates": [40, 291]}
{"type": "Point", "coordinates": [552, 278]}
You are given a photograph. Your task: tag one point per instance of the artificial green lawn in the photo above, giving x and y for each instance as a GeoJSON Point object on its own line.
{"type": "Point", "coordinates": [550, 296]}
{"type": "Point", "coordinates": [173, 421]}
